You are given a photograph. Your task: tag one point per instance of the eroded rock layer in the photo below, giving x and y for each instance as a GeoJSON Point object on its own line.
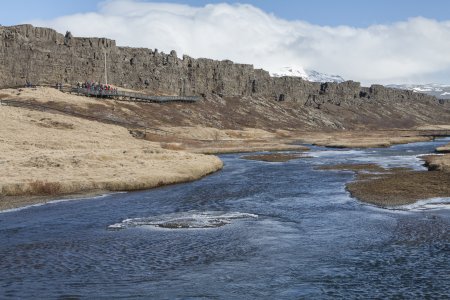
{"type": "Point", "coordinates": [43, 56]}
{"type": "Point", "coordinates": [236, 95]}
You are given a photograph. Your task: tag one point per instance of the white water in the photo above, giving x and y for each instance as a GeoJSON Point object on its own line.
{"type": "Point", "coordinates": [184, 220]}
{"type": "Point", "coordinates": [425, 205]}
{"type": "Point", "coordinates": [57, 201]}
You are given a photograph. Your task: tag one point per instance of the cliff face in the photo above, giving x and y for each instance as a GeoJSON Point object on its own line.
{"type": "Point", "coordinates": [43, 56]}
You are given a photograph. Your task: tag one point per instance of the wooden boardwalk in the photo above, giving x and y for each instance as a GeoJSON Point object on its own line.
{"type": "Point", "coordinates": [130, 96]}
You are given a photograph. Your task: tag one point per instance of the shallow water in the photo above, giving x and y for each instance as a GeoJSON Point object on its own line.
{"type": "Point", "coordinates": [253, 230]}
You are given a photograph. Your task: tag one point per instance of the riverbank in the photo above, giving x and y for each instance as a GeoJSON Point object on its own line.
{"type": "Point", "coordinates": [8, 203]}
{"type": "Point", "coordinates": [398, 186]}
{"type": "Point", "coordinates": [45, 155]}
{"type": "Point", "coordinates": [55, 145]}
{"type": "Point", "coordinates": [443, 149]}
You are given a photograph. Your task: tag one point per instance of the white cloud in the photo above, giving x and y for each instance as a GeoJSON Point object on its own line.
{"type": "Point", "coordinates": [415, 50]}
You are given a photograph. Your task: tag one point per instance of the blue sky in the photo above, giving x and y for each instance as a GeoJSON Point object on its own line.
{"type": "Point", "coordinates": [382, 41]}
{"type": "Point", "coordinates": [358, 13]}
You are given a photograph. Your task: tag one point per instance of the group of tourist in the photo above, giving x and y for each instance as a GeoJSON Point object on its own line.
{"type": "Point", "coordinates": [97, 87]}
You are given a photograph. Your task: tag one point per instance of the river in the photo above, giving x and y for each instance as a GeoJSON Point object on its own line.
{"type": "Point", "coordinates": [254, 230]}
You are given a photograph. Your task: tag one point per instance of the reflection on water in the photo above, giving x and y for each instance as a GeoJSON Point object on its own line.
{"type": "Point", "coordinates": [290, 231]}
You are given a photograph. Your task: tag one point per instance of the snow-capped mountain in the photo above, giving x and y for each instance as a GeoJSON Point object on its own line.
{"type": "Point", "coordinates": [309, 75]}
{"type": "Point", "coordinates": [322, 77]}
{"type": "Point", "coordinates": [440, 91]}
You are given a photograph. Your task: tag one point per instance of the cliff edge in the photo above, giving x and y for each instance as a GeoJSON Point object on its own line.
{"type": "Point", "coordinates": [44, 56]}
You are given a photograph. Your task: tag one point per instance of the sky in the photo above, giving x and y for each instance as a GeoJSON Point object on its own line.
{"type": "Point", "coordinates": [395, 41]}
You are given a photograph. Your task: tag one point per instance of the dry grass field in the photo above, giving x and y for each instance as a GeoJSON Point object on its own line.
{"type": "Point", "coordinates": [54, 144]}
{"type": "Point", "coordinates": [50, 154]}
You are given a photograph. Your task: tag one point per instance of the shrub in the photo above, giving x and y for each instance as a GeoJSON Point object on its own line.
{"type": "Point", "coordinates": [39, 187]}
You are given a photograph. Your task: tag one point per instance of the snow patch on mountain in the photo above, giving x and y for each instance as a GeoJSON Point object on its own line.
{"type": "Point", "coordinates": [309, 75]}
{"type": "Point", "coordinates": [440, 91]}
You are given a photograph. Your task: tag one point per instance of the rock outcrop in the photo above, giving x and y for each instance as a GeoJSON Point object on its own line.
{"type": "Point", "coordinates": [43, 56]}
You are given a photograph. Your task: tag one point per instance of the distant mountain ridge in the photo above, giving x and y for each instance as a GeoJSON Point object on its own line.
{"type": "Point", "coordinates": [306, 74]}
{"type": "Point", "coordinates": [440, 91]}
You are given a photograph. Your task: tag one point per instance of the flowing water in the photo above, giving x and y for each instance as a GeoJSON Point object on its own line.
{"type": "Point", "coordinates": [252, 230]}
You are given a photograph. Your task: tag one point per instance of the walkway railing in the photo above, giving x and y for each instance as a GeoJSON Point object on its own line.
{"type": "Point", "coordinates": [134, 96]}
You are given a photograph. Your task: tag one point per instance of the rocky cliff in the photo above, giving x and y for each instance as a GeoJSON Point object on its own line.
{"type": "Point", "coordinates": [43, 56]}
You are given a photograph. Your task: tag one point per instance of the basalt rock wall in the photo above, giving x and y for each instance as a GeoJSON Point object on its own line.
{"type": "Point", "coordinates": [43, 56]}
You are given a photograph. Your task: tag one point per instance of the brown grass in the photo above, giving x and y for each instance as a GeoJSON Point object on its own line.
{"type": "Point", "coordinates": [437, 162]}
{"type": "Point", "coordinates": [97, 155]}
{"type": "Point", "coordinates": [172, 146]}
{"type": "Point", "coordinates": [92, 156]}
{"type": "Point", "coordinates": [396, 186]}
{"type": "Point", "coordinates": [364, 139]}
{"type": "Point", "coordinates": [33, 188]}
{"type": "Point", "coordinates": [44, 188]}
{"type": "Point", "coordinates": [49, 123]}
{"type": "Point", "coordinates": [443, 149]}
{"type": "Point", "coordinates": [283, 134]}
{"type": "Point", "coordinates": [401, 187]}
{"type": "Point", "coordinates": [149, 136]}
